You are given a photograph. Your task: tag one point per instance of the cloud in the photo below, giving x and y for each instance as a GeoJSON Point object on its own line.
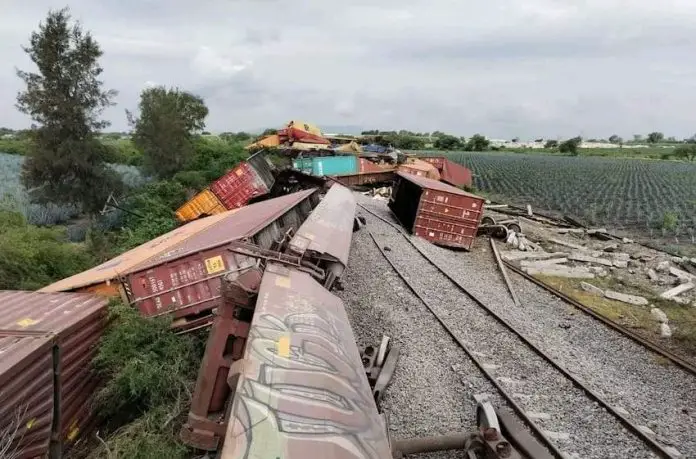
{"type": "Point", "coordinates": [538, 68]}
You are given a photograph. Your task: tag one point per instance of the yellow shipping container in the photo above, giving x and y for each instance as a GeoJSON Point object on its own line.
{"type": "Point", "coordinates": [203, 204]}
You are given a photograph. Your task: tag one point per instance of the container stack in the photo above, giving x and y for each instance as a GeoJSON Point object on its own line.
{"type": "Point", "coordinates": [248, 181]}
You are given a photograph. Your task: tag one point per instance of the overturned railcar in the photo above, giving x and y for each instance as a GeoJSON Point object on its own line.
{"type": "Point", "coordinates": [435, 211]}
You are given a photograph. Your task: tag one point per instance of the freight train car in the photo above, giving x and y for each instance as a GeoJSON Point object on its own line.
{"type": "Point", "coordinates": [179, 272]}
{"type": "Point", "coordinates": [435, 211]}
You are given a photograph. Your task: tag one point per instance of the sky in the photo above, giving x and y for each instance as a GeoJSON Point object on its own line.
{"type": "Point", "coordinates": [503, 68]}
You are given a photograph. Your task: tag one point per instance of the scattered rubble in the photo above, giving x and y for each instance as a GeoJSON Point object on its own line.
{"type": "Point", "coordinates": [678, 290]}
{"type": "Point", "coordinates": [652, 275]}
{"type": "Point", "coordinates": [625, 298]}
{"type": "Point", "coordinates": [662, 266]}
{"type": "Point", "coordinates": [659, 315]}
{"type": "Point", "coordinates": [567, 244]}
{"type": "Point", "coordinates": [588, 259]}
{"type": "Point", "coordinates": [589, 288]}
{"type": "Point", "coordinates": [562, 271]}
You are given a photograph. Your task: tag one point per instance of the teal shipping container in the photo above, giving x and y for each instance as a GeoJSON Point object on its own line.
{"type": "Point", "coordinates": [303, 164]}
{"type": "Point", "coordinates": [334, 165]}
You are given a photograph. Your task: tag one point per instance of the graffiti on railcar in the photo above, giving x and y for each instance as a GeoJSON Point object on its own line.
{"type": "Point", "coordinates": [306, 397]}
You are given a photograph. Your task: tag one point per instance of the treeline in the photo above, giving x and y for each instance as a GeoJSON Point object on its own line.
{"type": "Point", "coordinates": [407, 140]}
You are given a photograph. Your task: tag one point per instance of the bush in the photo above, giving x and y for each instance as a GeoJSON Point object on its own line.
{"type": "Point", "coordinates": [32, 257]}
{"type": "Point", "coordinates": [150, 373]}
{"type": "Point", "coordinates": [14, 146]}
{"type": "Point", "coordinates": [213, 157]}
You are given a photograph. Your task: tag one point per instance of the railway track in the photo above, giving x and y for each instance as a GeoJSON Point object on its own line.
{"type": "Point", "coordinates": [565, 414]}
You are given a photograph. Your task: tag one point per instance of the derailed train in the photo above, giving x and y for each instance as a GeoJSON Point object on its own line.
{"type": "Point", "coordinates": [282, 376]}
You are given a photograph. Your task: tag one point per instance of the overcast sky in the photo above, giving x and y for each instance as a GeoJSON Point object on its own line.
{"type": "Point", "coordinates": [505, 68]}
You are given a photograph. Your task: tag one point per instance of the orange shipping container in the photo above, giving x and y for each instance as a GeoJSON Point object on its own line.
{"type": "Point", "coordinates": [203, 204]}
{"type": "Point", "coordinates": [420, 168]}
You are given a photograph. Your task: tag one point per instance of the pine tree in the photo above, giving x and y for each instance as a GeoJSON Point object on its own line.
{"type": "Point", "coordinates": [66, 163]}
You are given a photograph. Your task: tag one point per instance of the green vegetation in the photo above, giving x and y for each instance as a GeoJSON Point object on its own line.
{"type": "Point", "coordinates": [570, 146]}
{"type": "Point", "coordinates": [653, 198]}
{"type": "Point", "coordinates": [66, 163]}
{"type": "Point", "coordinates": [149, 374]}
{"type": "Point", "coordinates": [169, 118]}
{"type": "Point", "coordinates": [31, 257]}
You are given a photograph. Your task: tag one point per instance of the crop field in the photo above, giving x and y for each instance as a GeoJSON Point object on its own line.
{"type": "Point", "coordinates": [14, 197]}
{"type": "Point", "coordinates": [657, 198]}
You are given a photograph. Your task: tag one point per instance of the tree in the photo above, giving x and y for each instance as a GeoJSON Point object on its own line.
{"type": "Point", "coordinates": [169, 118]}
{"type": "Point", "coordinates": [66, 161]}
{"type": "Point", "coordinates": [477, 142]}
{"type": "Point", "coordinates": [615, 139]}
{"type": "Point", "coordinates": [570, 146]}
{"type": "Point", "coordinates": [637, 137]}
{"type": "Point", "coordinates": [687, 151]}
{"type": "Point", "coordinates": [655, 137]}
{"type": "Point", "coordinates": [447, 142]}
{"type": "Point", "coordinates": [551, 144]}
{"type": "Point", "coordinates": [269, 131]}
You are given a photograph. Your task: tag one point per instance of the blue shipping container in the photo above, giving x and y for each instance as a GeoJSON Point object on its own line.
{"type": "Point", "coordinates": [334, 165]}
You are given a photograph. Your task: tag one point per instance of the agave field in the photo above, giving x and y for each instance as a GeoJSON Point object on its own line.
{"type": "Point", "coordinates": [14, 197]}
{"type": "Point", "coordinates": [645, 196]}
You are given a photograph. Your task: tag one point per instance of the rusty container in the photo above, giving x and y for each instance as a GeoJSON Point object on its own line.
{"type": "Point", "coordinates": [26, 392]}
{"type": "Point", "coordinates": [203, 204]}
{"type": "Point", "coordinates": [250, 180]}
{"type": "Point", "coordinates": [435, 211]}
{"type": "Point", "coordinates": [450, 172]}
{"type": "Point", "coordinates": [76, 322]}
{"type": "Point", "coordinates": [184, 281]}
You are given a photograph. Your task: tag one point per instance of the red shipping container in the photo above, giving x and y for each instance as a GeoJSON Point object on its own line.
{"type": "Point", "coordinates": [451, 172]}
{"type": "Point", "coordinates": [437, 212]}
{"type": "Point", "coordinates": [184, 281]}
{"type": "Point", "coordinates": [240, 185]}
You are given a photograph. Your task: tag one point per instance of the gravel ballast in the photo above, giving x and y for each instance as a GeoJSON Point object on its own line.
{"type": "Point", "coordinates": [660, 398]}
{"type": "Point", "coordinates": [435, 382]}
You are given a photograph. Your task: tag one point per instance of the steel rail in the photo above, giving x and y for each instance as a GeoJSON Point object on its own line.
{"type": "Point", "coordinates": [631, 427]}
{"type": "Point", "coordinates": [660, 350]}
{"type": "Point", "coordinates": [508, 397]}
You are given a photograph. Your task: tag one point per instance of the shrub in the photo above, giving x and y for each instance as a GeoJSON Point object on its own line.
{"type": "Point", "coordinates": [32, 257]}
{"type": "Point", "coordinates": [150, 373]}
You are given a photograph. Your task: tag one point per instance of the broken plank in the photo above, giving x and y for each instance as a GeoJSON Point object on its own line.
{"type": "Point", "coordinates": [568, 273]}
{"type": "Point", "coordinates": [503, 271]}
{"type": "Point", "coordinates": [542, 263]}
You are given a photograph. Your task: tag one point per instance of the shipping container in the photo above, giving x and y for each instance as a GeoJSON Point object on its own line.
{"type": "Point", "coordinates": [303, 165]}
{"type": "Point", "coordinates": [257, 220]}
{"type": "Point", "coordinates": [249, 180]}
{"type": "Point", "coordinates": [420, 168]}
{"type": "Point", "coordinates": [435, 211]}
{"type": "Point", "coordinates": [368, 178]}
{"type": "Point", "coordinates": [334, 165]}
{"type": "Point", "coordinates": [184, 281]}
{"type": "Point", "coordinates": [450, 172]}
{"type": "Point", "coordinates": [203, 204]}
{"type": "Point", "coordinates": [74, 324]}
{"type": "Point", "coordinates": [26, 393]}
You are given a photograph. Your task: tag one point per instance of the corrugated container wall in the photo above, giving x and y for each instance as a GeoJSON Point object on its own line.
{"type": "Point", "coordinates": [26, 393]}
{"type": "Point", "coordinates": [437, 212]}
{"type": "Point", "coordinates": [76, 322]}
{"type": "Point", "coordinates": [334, 165]}
{"type": "Point", "coordinates": [185, 281]}
{"type": "Point", "coordinates": [249, 180]}
{"type": "Point", "coordinates": [303, 164]}
{"type": "Point", "coordinates": [203, 204]}
{"type": "Point", "coordinates": [450, 172]}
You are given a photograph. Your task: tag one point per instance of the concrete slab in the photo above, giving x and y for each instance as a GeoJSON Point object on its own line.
{"type": "Point", "coordinates": [588, 259]}
{"type": "Point", "coordinates": [678, 290]}
{"type": "Point", "coordinates": [625, 298]}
